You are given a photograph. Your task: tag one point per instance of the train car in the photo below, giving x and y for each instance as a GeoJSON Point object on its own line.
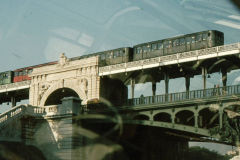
{"type": "Point", "coordinates": [6, 77]}
{"type": "Point", "coordinates": [22, 74]}
{"type": "Point", "coordinates": [110, 57]}
{"type": "Point", "coordinates": [184, 43]}
{"type": "Point", "coordinates": [115, 56]}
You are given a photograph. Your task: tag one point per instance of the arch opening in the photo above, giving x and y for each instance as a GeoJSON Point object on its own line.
{"type": "Point", "coordinates": [55, 97]}
{"type": "Point", "coordinates": [162, 117]}
{"type": "Point", "coordinates": [141, 117]}
{"type": "Point", "coordinates": [185, 117]}
{"type": "Point", "coordinates": [208, 119]}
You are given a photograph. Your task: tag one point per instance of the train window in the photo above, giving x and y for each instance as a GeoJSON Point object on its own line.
{"type": "Point", "coordinates": [169, 44]}
{"type": "Point", "coordinates": [154, 46]}
{"type": "Point", "coordinates": [30, 71]}
{"type": "Point", "coordinates": [144, 49]}
{"type": "Point", "coordinates": [165, 44]}
{"type": "Point", "coordinates": [193, 39]}
{"type": "Point", "coordinates": [139, 50]}
{"type": "Point", "coordinates": [188, 40]}
{"type": "Point", "coordinates": [176, 42]}
{"type": "Point", "coordinates": [199, 38]}
{"type": "Point", "coordinates": [115, 54]}
{"type": "Point", "coordinates": [102, 56]}
{"type": "Point", "coordinates": [121, 53]}
{"type": "Point", "coordinates": [109, 55]}
{"type": "Point", "coordinates": [160, 45]}
{"type": "Point", "coordinates": [204, 36]}
{"type": "Point", "coordinates": [15, 74]}
{"type": "Point", "coordinates": [24, 72]}
{"type": "Point", "coordinates": [148, 48]}
{"type": "Point", "coordinates": [182, 41]}
{"type": "Point", "coordinates": [19, 73]}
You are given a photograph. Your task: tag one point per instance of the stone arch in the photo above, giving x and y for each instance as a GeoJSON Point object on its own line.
{"type": "Point", "coordinates": [56, 86]}
{"type": "Point", "coordinates": [185, 117]}
{"type": "Point", "coordinates": [163, 117]}
{"type": "Point", "coordinates": [55, 97]}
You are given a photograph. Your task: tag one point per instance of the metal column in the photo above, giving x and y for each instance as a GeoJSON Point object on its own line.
{"type": "Point", "coordinates": [204, 75]}
{"type": "Point", "coordinates": [224, 77]}
{"type": "Point", "coordinates": [132, 88]}
{"type": "Point", "coordinates": [166, 78]}
{"type": "Point", "coordinates": [13, 101]}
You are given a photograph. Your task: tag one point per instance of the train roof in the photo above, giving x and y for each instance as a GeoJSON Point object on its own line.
{"type": "Point", "coordinates": [175, 37]}
{"type": "Point", "coordinates": [36, 66]}
{"type": "Point", "coordinates": [95, 54]}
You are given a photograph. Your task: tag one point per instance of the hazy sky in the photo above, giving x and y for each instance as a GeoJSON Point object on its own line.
{"type": "Point", "coordinates": [34, 32]}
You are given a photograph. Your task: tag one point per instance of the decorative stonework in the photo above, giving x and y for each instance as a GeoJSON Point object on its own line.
{"type": "Point", "coordinates": [78, 75]}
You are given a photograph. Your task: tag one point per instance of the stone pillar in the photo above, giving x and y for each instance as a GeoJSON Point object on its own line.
{"type": "Point", "coordinates": [132, 87]}
{"type": "Point", "coordinates": [70, 105]}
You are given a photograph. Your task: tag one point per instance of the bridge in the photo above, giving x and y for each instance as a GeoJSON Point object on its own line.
{"type": "Point", "coordinates": [200, 115]}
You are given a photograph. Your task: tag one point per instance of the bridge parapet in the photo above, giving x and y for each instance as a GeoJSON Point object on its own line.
{"type": "Point", "coordinates": [19, 111]}
{"type": "Point", "coordinates": [15, 86]}
{"type": "Point", "coordinates": [220, 93]}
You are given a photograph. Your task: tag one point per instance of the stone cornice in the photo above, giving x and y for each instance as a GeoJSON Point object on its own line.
{"type": "Point", "coordinates": [70, 65]}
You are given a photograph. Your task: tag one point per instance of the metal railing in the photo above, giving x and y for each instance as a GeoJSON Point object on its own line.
{"type": "Point", "coordinates": [184, 96]}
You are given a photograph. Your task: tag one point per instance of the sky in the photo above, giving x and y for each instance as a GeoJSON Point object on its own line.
{"type": "Point", "coordinates": [35, 32]}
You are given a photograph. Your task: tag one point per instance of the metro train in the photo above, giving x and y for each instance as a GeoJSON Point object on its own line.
{"type": "Point", "coordinates": [178, 44]}
{"type": "Point", "coordinates": [19, 75]}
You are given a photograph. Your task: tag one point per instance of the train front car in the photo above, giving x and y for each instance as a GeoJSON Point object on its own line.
{"type": "Point", "coordinates": [116, 56]}
{"type": "Point", "coordinates": [204, 39]}
{"type": "Point", "coordinates": [6, 77]}
{"type": "Point", "coordinates": [22, 74]}
{"type": "Point", "coordinates": [216, 38]}
{"type": "Point", "coordinates": [184, 43]}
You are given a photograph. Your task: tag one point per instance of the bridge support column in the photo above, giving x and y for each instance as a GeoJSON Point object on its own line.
{"type": "Point", "coordinates": [13, 101]}
{"type": "Point", "coordinates": [220, 118]}
{"type": "Point", "coordinates": [173, 119]}
{"type": "Point", "coordinates": [204, 74]}
{"type": "Point", "coordinates": [153, 90]}
{"type": "Point", "coordinates": [166, 78]}
{"type": "Point", "coordinates": [187, 83]}
{"type": "Point", "coordinates": [196, 120]}
{"type": "Point", "coordinates": [132, 88]}
{"type": "Point", "coordinates": [224, 77]}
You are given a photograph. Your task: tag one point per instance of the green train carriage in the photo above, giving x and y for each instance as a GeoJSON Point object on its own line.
{"type": "Point", "coordinates": [6, 77]}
